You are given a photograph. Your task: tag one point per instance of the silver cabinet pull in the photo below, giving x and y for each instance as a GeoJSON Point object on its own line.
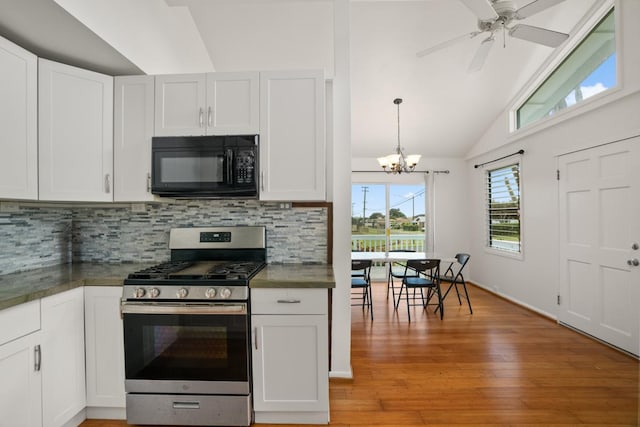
{"type": "Point", "coordinates": [262, 180]}
{"type": "Point", "coordinates": [107, 183]}
{"type": "Point", "coordinates": [209, 117]}
{"type": "Point", "coordinates": [255, 337]}
{"type": "Point", "coordinates": [201, 117]}
{"type": "Point", "coordinates": [37, 357]}
{"type": "Point", "coordinates": [148, 182]}
{"type": "Point", "coordinates": [186, 405]}
{"type": "Point", "coordinates": [289, 301]}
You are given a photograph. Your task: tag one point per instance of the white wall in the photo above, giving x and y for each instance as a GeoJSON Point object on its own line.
{"type": "Point", "coordinates": [533, 280]}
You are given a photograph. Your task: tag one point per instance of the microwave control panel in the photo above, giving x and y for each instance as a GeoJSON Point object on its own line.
{"type": "Point", "coordinates": [245, 167]}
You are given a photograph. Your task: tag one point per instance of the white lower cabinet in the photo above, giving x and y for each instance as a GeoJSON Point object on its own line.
{"type": "Point", "coordinates": [290, 356]}
{"type": "Point", "coordinates": [63, 368]}
{"type": "Point", "coordinates": [104, 352]}
{"type": "Point", "coordinates": [20, 375]}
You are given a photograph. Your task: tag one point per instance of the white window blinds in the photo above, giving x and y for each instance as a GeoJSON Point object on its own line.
{"type": "Point", "coordinates": [503, 208]}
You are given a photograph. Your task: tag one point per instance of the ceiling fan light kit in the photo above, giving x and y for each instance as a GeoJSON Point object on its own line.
{"type": "Point", "coordinates": [498, 15]}
{"type": "Point", "coordinates": [398, 162]}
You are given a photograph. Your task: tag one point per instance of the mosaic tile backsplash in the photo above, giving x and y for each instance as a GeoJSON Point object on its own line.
{"type": "Point", "coordinates": [40, 237]}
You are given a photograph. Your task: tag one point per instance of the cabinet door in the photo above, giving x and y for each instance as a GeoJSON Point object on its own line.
{"type": "Point", "coordinates": [104, 346]}
{"type": "Point", "coordinates": [20, 399]}
{"type": "Point", "coordinates": [133, 129]}
{"type": "Point", "coordinates": [75, 119]}
{"type": "Point", "coordinates": [18, 122]}
{"type": "Point", "coordinates": [233, 105]}
{"type": "Point", "coordinates": [290, 366]}
{"type": "Point", "coordinates": [292, 135]}
{"type": "Point", "coordinates": [63, 368]}
{"type": "Point", "coordinates": [180, 104]}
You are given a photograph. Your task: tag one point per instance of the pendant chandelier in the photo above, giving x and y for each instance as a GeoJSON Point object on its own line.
{"type": "Point", "coordinates": [397, 162]}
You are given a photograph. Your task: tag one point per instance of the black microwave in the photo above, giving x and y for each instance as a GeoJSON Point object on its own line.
{"type": "Point", "coordinates": [205, 166]}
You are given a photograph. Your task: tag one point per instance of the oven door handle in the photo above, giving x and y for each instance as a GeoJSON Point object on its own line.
{"type": "Point", "coordinates": [184, 308]}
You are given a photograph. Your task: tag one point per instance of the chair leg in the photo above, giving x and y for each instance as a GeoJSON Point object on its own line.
{"type": "Point", "coordinates": [370, 301]}
{"type": "Point", "coordinates": [464, 286]}
{"type": "Point", "coordinates": [407, 298]}
{"type": "Point", "coordinates": [440, 302]}
{"type": "Point", "coordinates": [396, 304]}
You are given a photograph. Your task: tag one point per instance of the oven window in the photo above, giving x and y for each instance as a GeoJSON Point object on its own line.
{"type": "Point", "coordinates": [186, 347]}
{"type": "Point", "coordinates": [192, 169]}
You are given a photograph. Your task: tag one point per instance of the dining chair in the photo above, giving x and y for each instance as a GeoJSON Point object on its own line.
{"type": "Point", "coordinates": [396, 271]}
{"type": "Point", "coordinates": [361, 281]}
{"type": "Point", "coordinates": [454, 277]}
{"type": "Point", "coordinates": [420, 274]}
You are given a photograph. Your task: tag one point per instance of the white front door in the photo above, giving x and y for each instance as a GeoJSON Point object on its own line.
{"type": "Point", "coordinates": [599, 192]}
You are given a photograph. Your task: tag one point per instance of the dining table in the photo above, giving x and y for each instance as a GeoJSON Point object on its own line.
{"type": "Point", "coordinates": [389, 257]}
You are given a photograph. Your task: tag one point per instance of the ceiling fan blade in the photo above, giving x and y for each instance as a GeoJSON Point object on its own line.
{"type": "Point", "coordinates": [481, 55]}
{"type": "Point", "coordinates": [535, 7]}
{"type": "Point", "coordinates": [482, 9]}
{"type": "Point", "coordinates": [447, 43]}
{"type": "Point", "coordinates": [538, 35]}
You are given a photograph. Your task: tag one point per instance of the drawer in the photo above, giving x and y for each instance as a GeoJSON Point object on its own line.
{"type": "Point", "coordinates": [19, 320]}
{"type": "Point", "coordinates": [289, 301]}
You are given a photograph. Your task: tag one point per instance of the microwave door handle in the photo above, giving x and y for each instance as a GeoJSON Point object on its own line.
{"type": "Point", "coordinates": [229, 166]}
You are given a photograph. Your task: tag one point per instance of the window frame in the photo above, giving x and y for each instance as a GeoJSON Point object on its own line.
{"type": "Point", "coordinates": [584, 28]}
{"type": "Point", "coordinates": [487, 224]}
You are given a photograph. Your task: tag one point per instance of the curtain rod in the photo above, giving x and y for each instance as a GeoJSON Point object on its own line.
{"type": "Point", "coordinates": [495, 160]}
{"type": "Point", "coordinates": [379, 170]}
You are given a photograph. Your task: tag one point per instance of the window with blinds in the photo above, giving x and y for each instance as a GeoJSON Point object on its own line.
{"type": "Point", "coordinates": [503, 208]}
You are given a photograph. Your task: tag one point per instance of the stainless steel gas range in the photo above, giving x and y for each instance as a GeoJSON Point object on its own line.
{"type": "Point", "coordinates": [186, 330]}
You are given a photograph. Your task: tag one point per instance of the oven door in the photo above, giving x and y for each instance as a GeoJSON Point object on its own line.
{"type": "Point", "coordinates": [186, 348]}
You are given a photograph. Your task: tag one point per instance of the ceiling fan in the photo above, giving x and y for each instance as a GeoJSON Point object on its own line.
{"type": "Point", "coordinates": [495, 16]}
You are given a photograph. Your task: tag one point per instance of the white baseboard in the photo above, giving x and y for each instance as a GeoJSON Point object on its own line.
{"type": "Point", "coordinates": [514, 300]}
{"type": "Point", "coordinates": [341, 374]}
{"type": "Point", "coordinates": [292, 417]}
{"type": "Point", "coordinates": [100, 413]}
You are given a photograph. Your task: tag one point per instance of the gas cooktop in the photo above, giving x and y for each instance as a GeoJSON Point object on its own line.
{"type": "Point", "coordinates": [200, 270]}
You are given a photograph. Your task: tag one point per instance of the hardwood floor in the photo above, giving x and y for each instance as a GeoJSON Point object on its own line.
{"type": "Point", "coordinates": [501, 366]}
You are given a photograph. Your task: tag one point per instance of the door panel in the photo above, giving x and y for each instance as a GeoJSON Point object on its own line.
{"type": "Point", "coordinates": [599, 192]}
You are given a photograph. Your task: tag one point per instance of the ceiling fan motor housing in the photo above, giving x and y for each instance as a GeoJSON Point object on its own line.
{"type": "Point", "coordinates": [506, 11]}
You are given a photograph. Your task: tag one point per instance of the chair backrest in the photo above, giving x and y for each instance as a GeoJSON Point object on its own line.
{"type": "Point", "coordinates": [432, 266]}
{"type": "Point", "coordinates": [360, 264]}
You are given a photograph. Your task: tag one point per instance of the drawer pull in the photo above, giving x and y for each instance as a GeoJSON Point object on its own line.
{"type": "Point", "coordinates": [289, 301]}
{"type": "Point", "coordinates": [186, 405]}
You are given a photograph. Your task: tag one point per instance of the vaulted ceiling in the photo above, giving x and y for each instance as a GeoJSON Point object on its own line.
{"type": "Point", "coordinates": [445, 108]}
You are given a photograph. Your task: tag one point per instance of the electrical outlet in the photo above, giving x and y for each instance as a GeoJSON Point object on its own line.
{"type": "Point", "coordinates": [285, 205]}
{"type": "Point", "coordinates": [138, 207]}
{"type": "Point", "coordinates": [9, 207]}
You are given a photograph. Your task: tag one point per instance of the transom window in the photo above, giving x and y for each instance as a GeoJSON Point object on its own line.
{"type": "Point", "coordinates": [588, 70]}
{"type": "Point", "coordinates": [503, 208]}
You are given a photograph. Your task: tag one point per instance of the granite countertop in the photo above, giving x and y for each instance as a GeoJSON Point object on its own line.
{"type": "Point", "coordinates": [18, 288]}
{"type": "Point", "coordinates": [294, 276]}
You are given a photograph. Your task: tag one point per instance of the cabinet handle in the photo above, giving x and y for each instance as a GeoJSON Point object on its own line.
{"type": "Point", "coordinates": [186, 405]}
{"type": "Point", "coordinates": [201, 117]}
{"type": "Point", "coordinates": [255, 337]}
{"type": "Point", "coordinates": [209, 117]}
{"type": "Point", "coordinates": [289, 301]}
{"type": "Point", "coordinates": [37, 356]}
{"type": "Point", "coordinates": [262, 181]}
{"type": "Point", "coordinates": [148, 183]}
{"type": "Point", "coordinates": [107, 183]}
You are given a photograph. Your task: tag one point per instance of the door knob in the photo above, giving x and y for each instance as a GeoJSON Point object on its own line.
{"type": "Point", "coordinates": [634, 262]}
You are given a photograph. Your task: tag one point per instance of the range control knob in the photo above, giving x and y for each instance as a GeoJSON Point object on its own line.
{"type": "Point", "coordinates": [154, 292]}
{"type": "Point", "coordinates": [210, 293]}
{"type": "Point", "coordinates": [139, 293]}
{"type": "Point", "coordinates": [225, 293]}
{"type": "Point", "coordinates": [182, 293]}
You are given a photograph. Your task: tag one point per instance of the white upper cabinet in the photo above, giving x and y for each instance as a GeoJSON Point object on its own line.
{"type": "Point", "coordinates": [18, 122]}
{"type": "Point", "coordinates": [133, 129]}
{"type": "Point", "coordinates": [75, 120]}
{"type": "Point", "coordinates": [207, 104]}
{"type": "Point", "coordinates": [292, 135]}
